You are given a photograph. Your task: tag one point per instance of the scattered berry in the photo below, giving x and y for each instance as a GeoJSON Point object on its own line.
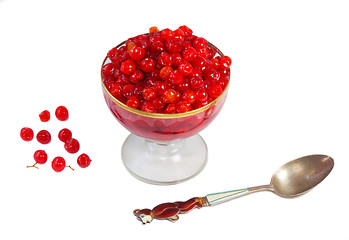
{"type": "Point", "coordinates": [58, 164]}
{"type": "Point", "coordinates": [65, 134]}
{"type": "Point", "coordinates": [27, 134]}
{"type": "Point", "coordinates": [43, 137]}
{"type": "Point", "coordinates": [44, 116]}
{"type": "Point", "coordinates": [40, 157]}
{"type": "Point", "coordinates": [84, 160]}
{"type": "Point", "coordinates": [72, 145]}
{"type": "Point", "coordinates": [62, 113]}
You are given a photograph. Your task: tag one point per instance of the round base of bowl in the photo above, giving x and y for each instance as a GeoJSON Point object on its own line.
{"type": "Point", "coordinates": [164, 163]}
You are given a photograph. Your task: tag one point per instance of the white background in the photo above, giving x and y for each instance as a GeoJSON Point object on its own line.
{"type": "Point", "coordinates": [288, 97]}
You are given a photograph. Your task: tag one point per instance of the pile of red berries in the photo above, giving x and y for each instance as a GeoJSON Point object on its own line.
{"type": "Point", "coordinates": [71, 145]}
{"type": "Point", "coordinates": [166, 71]}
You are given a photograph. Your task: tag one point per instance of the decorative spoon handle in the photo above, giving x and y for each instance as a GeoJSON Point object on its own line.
{"type": "Point", "coordinates": [169, 211]}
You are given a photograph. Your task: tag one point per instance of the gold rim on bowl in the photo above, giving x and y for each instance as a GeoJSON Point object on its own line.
{"type": "Point", "coordinates": [165, 115]}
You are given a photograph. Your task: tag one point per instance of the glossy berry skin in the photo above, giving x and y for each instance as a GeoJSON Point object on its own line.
{"type": "Point", "coordinates": [147, 64]}
{"type": "Point", "coordinates": [225, 62]}
{"type": "Point", "coordinates": [65, 134]}
{"type": "Point", "coordinates": [128, 67]}
{"type": "Point", "coordinates": [84, 160]}
{"type": "Point", "coordinates": [40, 157]}
{"type": "Point", "coordinates": [58, 164]}
{"type": "Point", "coordinates": [132, 102]}
{"type": "Point", "coordinates": [169, 96]}
{"type": "Point", "coordinates": [44, 116]}
{"type": "Point", "coordinates": [43, 137]}
{"type": "Point", "coordinates": [62, 113]}
{"type": "Point", "coordinates": [27, 134]}
{"type": "Point", "coordinates": [137, 53]}
{"type": "Point", "coordinates": [148, 94]}
{"type": "Point", "coordinates": [72, 146]}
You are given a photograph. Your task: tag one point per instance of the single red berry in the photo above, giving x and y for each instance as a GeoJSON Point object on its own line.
{"type": "Point", "coordinates": [148, 94]}
{"type": "Point", "coordinates": [174, 45]}
{"type": "Point", "coordinates": [211, 75]}
{"type": "Point", "coordinates": [200, 43]}
{"type": "Point", "coordinates": [196, 83]}
{"type": "Point", "coordinates": [27, 134]}
{"type": "Point", "coordinates": [132, 102]}
{"type": "Point", "coordinates": [215, 90]}
{"type": "Point", "coordinates": [58, 164]}
{"type": "Point", "coordinates": [159, 104]}
{"type": "Point", "coordinates": [201, 95]}
{"type": "Point", "coordinates": [159, 87]}
{"type": "Point", "coordinates": [176, 58]}
{"type": "Point", "coordinates": [84, 160]}
{"type": "Point", "coordinates": [189, 96]}
{"type": "Point", "coordinates": [179, 34]}
{"type": "Point", "coordinates": [200, 63]}
{"type": "Point", "coordinates": [186, 30]}
{"type": "Point", "coordinates": [183, 106]}
{"type": "Point", "coordinates": [136, 76]}
{"type": "Point", "coordinates": [65, 134]}
{"type": "Point", "coordinates": [189, 54]}
{"type": "Point", "coordinates": [128, 90]}
{"type": "Point", "coordinates": [62, 113]}
{"type": "Point", "coordinates": [148, 107]}
{"type": "Point", "coordinates": [128, 67]}
{"type": "Point", "coordinates": [137, 53]}
{"type": "Point", "coordinates": [175, 77]}
{"type": "Point", "coordinates": [40, 156]}
{"type": "Point", "coordinates": [170, 108]}
{"type": "Point", "coordinates": [72, 145]}
{"type": "Point", "coordinates": [158, 46]}
{"type": "Point", "coordinates": [44, 116]}
{"type": "Point", "coordinates": [165, 59]}
{"type": "Point", "coordinates": [108, 69]}
{"type": "Point", "coordinates": [225, 62]}
{"type": "Point", "coordinates": [43, 137]}
{"type": "Point", "coordinates": [167, 34]}
{"type": "Point", "coordinates": [169, 96]}
{"type": "Point", "coordinates": [147, 64]}
{"type": "Point", "coordinates": [185, 68]}
{"type": "Point", "coordinates": [165, 73]}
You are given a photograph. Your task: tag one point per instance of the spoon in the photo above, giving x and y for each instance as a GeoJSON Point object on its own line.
{"type": "Point", "coordinates": [290, 180]}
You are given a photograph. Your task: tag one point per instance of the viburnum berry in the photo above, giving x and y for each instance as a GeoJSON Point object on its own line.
{"type": "Point", "coordinates": [147, 64]}
{"type": "Point", "coordinates": [189, 54]}
{"type": "Point", "coordinates": [215, 90]}
{"type": "Point", "coordinates": [185, 68]}
{"type": "Point", "coordinates": [169, 96]}
{"type": "Point", "coordinates": [128, 67]}
{"type": "Point", "coordinates": [40, 157]}
{"type": "Point", "coordinates": [137, 53]}
{"type": "Point", "coordinates": [43, 137]}
{"type": "Point", "coordinates": [27, 134]}
{"type": "Point", "coordinates": [65, 134]}
{"type": "Point", "coordinates": [72, 146]}
{"type": "Point", "coordinates": [44, 116]}
{"type": "Point", "coordinates": [147, 106]}
{"type": "Point", "coordinates": [165, 59]}
{"type": "Point", "coordinates": [132, 102]}
{"type": "Point", "coordinates": [189, 96]}
{"type": "Point", "coordinates": [84, 160]}
{"type": "Point", "coordinates": [200, 43]}
{"type": "Point", "coordinates": [183, 106]}
{"type": "Point", "coordinates": [225, 62]}
{"type": "Point", "coordinates": [58, 164]}
{"type": "Point", "coordinates": [62, 113]}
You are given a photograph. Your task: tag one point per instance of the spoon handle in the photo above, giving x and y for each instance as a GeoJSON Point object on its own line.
{"type": "Point", "coordinates": [221, 197]}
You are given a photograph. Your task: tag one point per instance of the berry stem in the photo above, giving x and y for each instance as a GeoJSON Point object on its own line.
{"type": "Point", "coordinates": [33, 166]}
{"type": "Point", "coordinates": [70, 167]}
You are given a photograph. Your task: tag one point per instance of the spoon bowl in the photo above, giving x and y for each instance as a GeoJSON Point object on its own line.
{"type": "Point", "coordinates": [300, 175]}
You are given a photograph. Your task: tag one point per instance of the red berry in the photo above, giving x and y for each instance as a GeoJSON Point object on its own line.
{"type": "Point", "coordinates": [44, 116]}
{"type": "Point", "coordinates": [65, 134]}
{"type": "Point", "coordinates": [158, 46]}
{"type": "Point", "coordinates": [189, 54]}
{"type": "Point", "coordinates": [201, 95]}
{"type": "Point", "coordinates": [200, 43]}
{"type": "Point", "coordinates": [174, 45]}
{"type": "Point", "coordinates": [179, 34]}
{"type": "Point", "coordinates": [165, 73]}
{"type": "Point", "coordinates": [211, 75]}
{"type": "Point", "coordinates": [132, 102]}
{"type": "Point", "coordinates": [84, 160]}
{"type": "Point", "coordinates": [62, 113]}
{"type": "Point", "coordinates": [196, 83]}
{"type": "Point", "coordinates": [169, 96]}
{"type": "Point", "coordinates": [148, 94]}
{"type": "Point", "coordinates": [108, 69]}
{"type": "Point", "coordinates": [40, 156]}
{"type": "Point", "coordinates": [58, 164]}
{"type": "Point", "coordinates": [148, 107]}
{"type": "Point", "coordinates": [175, 77]}
{"type": "Point", "coordinates": [72, 145]}
{"type": "Point", "coordinates": [136, 76]}
{"type": "Point", "coordinates": [43, 137]}
{"type": "Point", "coordinates": [186, 30]}
{"type": "Point", "coordinates": [153, 30]}
{"type": "Point", "coordinates": [165, 59]}
{"type": "Point", "coordinates": [128, 90]}
{"type": "Point", "coordinates": [147, 64]}
{"type": "Point", "coordinates": [159, 87]}
{"type": "Point", "coordinates": [128, 67]}
{"type": "Point", "coordinates": [189, 96]}
{"type": "Point", "coordinates": [27, 134]}
{"type": "Point", "coordinates": [167, 34]}
{"type": "Point", "coordinates": [225, 62]}
{"type": "Point", "coordinates": [185, 68]}
{"type": "Point", "coordinates": [183, 106]}
{"type": "Point", "coordinates": [215, 90]}
{"type": "Point", "coordinates": [170, 108]}
{"type": "Point", "coordinates": [137, 53]}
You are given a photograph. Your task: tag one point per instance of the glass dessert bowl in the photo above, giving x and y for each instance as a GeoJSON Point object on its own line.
{"type": "Point", "coordinates": [164, 148]}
